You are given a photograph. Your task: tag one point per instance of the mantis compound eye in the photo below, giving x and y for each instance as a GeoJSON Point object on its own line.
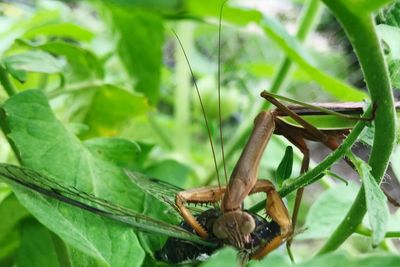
{"type": "Point", "coordinates": [234, 223]}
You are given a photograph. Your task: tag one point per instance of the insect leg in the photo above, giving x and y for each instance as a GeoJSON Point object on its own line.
{"type": "Point", "coordinates": [277, 210]}
{"type": "Point", "coordinates": [210, 194]}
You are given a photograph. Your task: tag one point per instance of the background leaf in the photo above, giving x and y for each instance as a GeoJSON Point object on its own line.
{"type": "Point", "coordinates": [378, 211]}
{"type": "Point", "coordinates": [284, 169]}
{"type": "Point", "coordinates": [38, 244]}
{"type": "Point", "coordinates": [140, 38]}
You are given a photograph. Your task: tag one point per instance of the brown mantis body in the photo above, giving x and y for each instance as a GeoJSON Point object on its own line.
{"type": "Point", "coordinates": [235, 225]}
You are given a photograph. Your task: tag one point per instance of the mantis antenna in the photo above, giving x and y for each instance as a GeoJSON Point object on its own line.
{"type": "Point", "coordinates": [202, 109]}
{"type": "Point", "coordinates": [219, 90]}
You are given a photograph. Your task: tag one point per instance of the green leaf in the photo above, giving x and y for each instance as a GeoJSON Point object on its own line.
{"type": "Point", "coordinates": [378, 211]}
{"type": "Point", "coordinates": [391, 36]}
{"type": "Point", "coordinates": [84, 64]}
{"type": "Point", "coordinates": [367, 135]}
{"type": "Point", "coordinates": [394, 70]}
{"type": "Point", "coordinates": [272, 260]}
{"type": "Point", "coordinates": [224, 257]}
{"type": "Point", "coordinates": [36, 241]}
{"type": "Point", "coordinates": [110, 110]}
{"type": "Point", "coordinates": [19, 75]}
{"type": "Point", "coordinates": [284, 169]}
{"type": "Point", "coordinates": [121, 152]}
{"type": "Point", "coordinates": [32, 61]}
{"type": "Point", "coordinates": [328, 211]}
{"type": "Point", "coordinates": [63, 29]}
{"type": "Point", "coordinates": [9, 245]}
{"type": "Point", "coordinates": [390, 15]}
{"type": "Point", "coordinates": [42, 143]}
{"type": "Point", "coordinates": [139, 46]}
{"type": "Point", "coordinates": [164, 6]}
{"type": "Point", "coordinates": [170, 171]}
{"type": "Point", "coordinates": [12, 213]}
{"type": "Point", "coordinates": [334, 260]}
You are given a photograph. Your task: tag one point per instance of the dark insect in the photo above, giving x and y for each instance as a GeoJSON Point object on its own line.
{"type": "Point", "coordinates": [178, 250]}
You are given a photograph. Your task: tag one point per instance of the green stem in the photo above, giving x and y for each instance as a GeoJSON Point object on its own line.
{"type": "Point", "coordinates": [307, 21]}
{"type": "Point", "coordinates": [362, 230]}
{"type": "Point", "coordinates": [5, 81]}
{"type": "Point", "coordinates": [361, 32]}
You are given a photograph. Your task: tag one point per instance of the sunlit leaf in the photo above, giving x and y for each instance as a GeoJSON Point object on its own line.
{"type": "Point", "coordinates": [32, 61]}
{"type": "Point", "coordinates": [65, 30]}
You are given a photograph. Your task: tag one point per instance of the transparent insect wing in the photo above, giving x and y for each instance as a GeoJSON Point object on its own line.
{"type": "Point", "coordinates": [68, 194]}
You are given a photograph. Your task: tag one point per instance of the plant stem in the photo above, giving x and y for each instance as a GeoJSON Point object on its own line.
{"type": "Point", "coordinates": [362, 230]}
{"type": "Point", "coordinates": [361, 33]}
{"type": "Point", "coordinates": [5, 81]}
{"type": "Point", "coordinates": [307, 21]}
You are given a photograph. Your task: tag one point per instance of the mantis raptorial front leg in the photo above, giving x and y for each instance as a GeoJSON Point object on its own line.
{"type": "Point", "coordinates": [197, 195]}
{"type": "Point", "coordinates": [238, 221]}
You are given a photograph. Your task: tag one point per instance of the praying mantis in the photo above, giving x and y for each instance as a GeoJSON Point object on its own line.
{"type": "Point", "coordinates": [234, 226]}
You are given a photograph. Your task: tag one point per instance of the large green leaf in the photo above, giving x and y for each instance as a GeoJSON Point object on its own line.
{"type": "Point", "coordinates": [110, 109]}
{"type": "Point", "coordinates": [327, 212]}
{"type": "Point", "coordinates": [42, 143]}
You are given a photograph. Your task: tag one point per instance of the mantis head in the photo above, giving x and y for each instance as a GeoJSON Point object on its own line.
{"type": "Point", "coordinates": [235, 227]}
